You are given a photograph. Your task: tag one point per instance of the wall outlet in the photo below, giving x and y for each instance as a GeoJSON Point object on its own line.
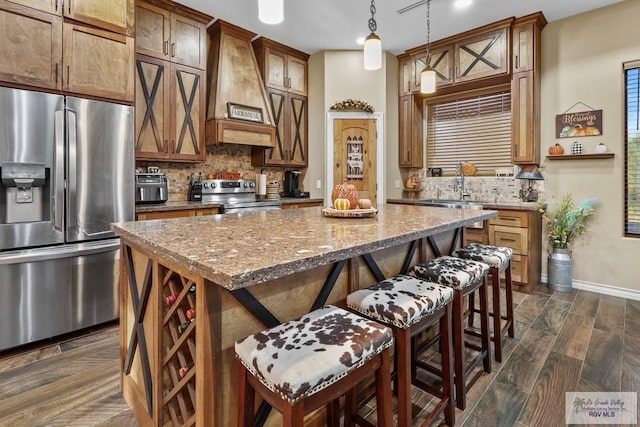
{"type": "Point", "coordinates": [318, 184]}
{"type": "Point", "coordinates": [398, 183]}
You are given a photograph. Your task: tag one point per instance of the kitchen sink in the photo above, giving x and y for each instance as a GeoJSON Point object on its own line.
{"type": "Point", "coordinates": [450, 203]}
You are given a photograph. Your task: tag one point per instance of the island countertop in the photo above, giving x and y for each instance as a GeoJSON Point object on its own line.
{"type": "Point", "coordinates": [236, 251]}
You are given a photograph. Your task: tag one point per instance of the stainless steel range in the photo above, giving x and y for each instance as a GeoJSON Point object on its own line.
{"type": "Point", "coordinates": [236, 195]}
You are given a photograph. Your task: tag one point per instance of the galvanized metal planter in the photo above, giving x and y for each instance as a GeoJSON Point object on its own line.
{"type": "Point", "coordinates": [559, 267]}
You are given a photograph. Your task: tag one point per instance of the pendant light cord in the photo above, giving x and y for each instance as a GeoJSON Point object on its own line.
{"type": "Point", "coordinates": [428, 59]}
{"type": "Point", "coordinates": [373, 25]}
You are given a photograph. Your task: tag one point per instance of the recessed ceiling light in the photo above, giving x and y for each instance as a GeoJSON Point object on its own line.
{"type": "Point", "coordinates": [461, 4]}
{"type": "Point", "coordinates": [360, 41]}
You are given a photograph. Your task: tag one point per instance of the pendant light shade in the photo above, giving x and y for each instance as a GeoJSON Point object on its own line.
{"type": "Point", "coordinates": [428, 75]}
{"type": "Point", "coordinates": [428, 80]}
{"type": "Point", "coordinates": [372, 52]}
{"type": "Point", "coordinates": [271, 11]}
{"type": "Point", "coordinates": [372, 44]}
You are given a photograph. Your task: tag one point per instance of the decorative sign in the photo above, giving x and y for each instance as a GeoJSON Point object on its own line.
{"type": "Point", "coordinates": [245, 112]}
{"type": "Point", "coordinates": [355, 160]}
{"type": "Point", "coordinates": [581, 123]}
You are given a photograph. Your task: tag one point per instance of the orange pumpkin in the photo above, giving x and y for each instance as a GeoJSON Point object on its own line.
{"type": "Point", "coordinates": [584, 131]}
{"type": "Point", "coordinates": [345, 191]}
{"type": "Point", "coordinates": [556, 149]}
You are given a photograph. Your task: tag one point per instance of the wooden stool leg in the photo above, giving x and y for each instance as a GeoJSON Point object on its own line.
{"type": "Point", "coordinates": [403, 375]}
{"type": "Point", "coordinates": [350, 400]}
{"type": "Point", "coordinates": [472, 306]}
{"type": "Point", "coordinates": [246, 396]}
{"type": "Point", "coordinates": [509, 292]}
{"type": "Point", "coordinates": [458, 348]}
{"type": "Point", "coordinates": [497, 329]}
{"type": "Point", "coordinates": [293, 416]}
{"type": "Point", "coordinates": [484, 325]}
{"type": "Point", "coordinates": [383, 392]}
{"type": "Point", "coordinates": [333, 413]}
{"type": "Point", "coordinates": [447, 365]}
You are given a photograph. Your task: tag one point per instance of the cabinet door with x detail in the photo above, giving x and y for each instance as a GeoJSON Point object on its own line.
{"type": "Point", "coordinates": [152, 108]}
{"type": "Point", "coordinates": [187, 113]}
{"type": "Point", "coordinates": [482, 56]}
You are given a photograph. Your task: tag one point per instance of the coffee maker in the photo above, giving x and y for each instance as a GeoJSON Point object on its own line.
{"type": "Point", "coordinates": [291, 184]}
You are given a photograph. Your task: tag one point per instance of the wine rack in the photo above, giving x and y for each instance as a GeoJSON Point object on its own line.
{"type": "Point", "coordinates": [179, 349]}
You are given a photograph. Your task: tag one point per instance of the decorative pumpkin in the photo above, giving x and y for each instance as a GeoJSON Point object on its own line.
{"type": "Point", "coordinates": [364, 204]}
{"type": "Point", "coordinates": [345, 191]}
{"type": "Point", "coordinates": [342, 204]}
{"type": "Point", "coordinates": [556, 149]}
{"type": "Point", "coordinates": [413, 182]}
{"type": "Point", "coordinates": [584, 131]}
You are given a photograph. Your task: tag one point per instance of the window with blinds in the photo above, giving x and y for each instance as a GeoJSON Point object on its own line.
{"type": "Point", "coordinates": [632, 149]}
{"type": "Point", "coordinates": [475, 130]}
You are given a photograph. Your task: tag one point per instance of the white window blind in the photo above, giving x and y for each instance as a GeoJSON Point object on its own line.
{"type": "Point", "coordinates": [632, 150]}
{"type": "Point", "coordinates": [476, 130]}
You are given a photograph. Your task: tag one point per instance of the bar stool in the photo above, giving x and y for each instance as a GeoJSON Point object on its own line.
{"type": "Point", "coordinates": [409, 306]}
{"type": "Point", "coordinates": [499, 259]}
{"type": "Point", "coordinates": [302, 365]}
{"type": "Point", "coordinates": [464, 277]}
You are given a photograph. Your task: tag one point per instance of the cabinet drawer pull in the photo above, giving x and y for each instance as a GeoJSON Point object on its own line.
{"type": "Point", "coordinates": [69, 7]}
{"type": "Point", "coordinates": [506, 218]}
{"type": "Point", "coordinates": [56, 8]}
{"type": "Point", "coordinates": [173, 50]}
{"type": "Point", "coordinates": [517, 63]}
{"type": "Point", "coordinates": [56, 68]}
{"type": "Point", "coordinates": [507, 240]}
{"type": "Point", "coordinates": [165, 47]}
{"type": "Point", "coordinates": [68, 73]}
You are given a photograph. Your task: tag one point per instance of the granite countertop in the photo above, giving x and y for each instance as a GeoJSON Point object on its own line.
{"type": "Point", "coordinates": [515, 205]}
{"type": "Point", "coordinates": [237, 251]}
{"type": "Point", "coordinates": [182, 205]}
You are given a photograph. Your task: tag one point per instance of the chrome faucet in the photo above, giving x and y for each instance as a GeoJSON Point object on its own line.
{"type": "Point", "coordinates": [458, 183]}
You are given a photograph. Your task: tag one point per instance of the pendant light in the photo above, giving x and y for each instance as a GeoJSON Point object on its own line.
{"type": "Point", "coordinates": [271, 11]}
{"type": "Point", "coordinates": [428, 75]}
{"type": "Point", "coordinates": [372, 44]}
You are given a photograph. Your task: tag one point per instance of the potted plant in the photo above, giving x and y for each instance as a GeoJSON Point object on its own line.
{"type": "Point", "coordinates": [565, 225]}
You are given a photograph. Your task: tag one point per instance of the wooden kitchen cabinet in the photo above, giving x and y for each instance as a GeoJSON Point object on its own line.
{"type": "Point", "coordinates": [520, 231]}
{"type": "Point", "coordinates": [113, 15]}
{"type": "Point", "coordinates": [406, 75]}
{"type": "Point", "coordinates": [410, 151]}
{"type": "Point", "coordinates": [49, 6]}
{"type": "Point", "coordinates": [284, 72]}
{"type": "Point", "coordinates": [483, 55]}
{"type": "Point", "coordinates": [169, 111]}
{"type": "Point", "coordinates": [31, 48]}
{"type": "Point", "coordinates": [302, 204]}
{"type": "Point", "coordinates": [165, 34]}
{"type": "Point", "coordinates": [525, 89]}
{"type": "Point", "coordinates": [442, 64]}
{"type": "Point", "coordinates": [282, 67]}
{"type": "Point", "coordinates": [179, 213]}
{"type": "Point", "coordinates": [97, 62]}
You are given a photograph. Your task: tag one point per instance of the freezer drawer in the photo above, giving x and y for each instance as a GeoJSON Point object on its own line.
{"type": "Point", "coordinates": [52, 291]}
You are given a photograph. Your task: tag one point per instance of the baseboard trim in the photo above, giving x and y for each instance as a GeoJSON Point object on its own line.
{"type": "Point", "coordinates": [613, 291]}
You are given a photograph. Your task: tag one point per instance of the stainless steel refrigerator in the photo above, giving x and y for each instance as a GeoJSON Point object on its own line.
{"type": "Point", "coordinates": [67, 173]}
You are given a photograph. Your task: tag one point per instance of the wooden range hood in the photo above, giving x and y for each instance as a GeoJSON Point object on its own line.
{"type": "Point", "coordinates": [237, 96]}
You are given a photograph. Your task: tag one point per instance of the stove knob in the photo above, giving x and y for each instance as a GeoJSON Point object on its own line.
{"type": "Point", "coordinates": [214, 185]}
{"type": "Point", "coordinates": [252, 184]}
{"type": "Point", "coordinates": [206, 185]}
{"type": "Point", "coordinates": [246, 184]}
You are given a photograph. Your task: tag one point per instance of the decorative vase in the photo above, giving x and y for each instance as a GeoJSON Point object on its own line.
{"type": "Point", "coordinates": [559, 269]}
{"type": "Point", "coordinates": [601, 148]}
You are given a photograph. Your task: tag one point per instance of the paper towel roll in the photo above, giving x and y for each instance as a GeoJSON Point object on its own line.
{"type": "Point", "coordinates": [261, 184]}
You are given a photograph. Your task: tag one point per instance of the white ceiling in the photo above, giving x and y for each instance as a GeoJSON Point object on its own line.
{"type": "Point", "coordinates": [315, 25]}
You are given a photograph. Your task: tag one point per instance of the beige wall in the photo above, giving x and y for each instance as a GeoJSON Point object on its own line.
{"type": "Point", "coordinates": [582, 62]}
{"type": "Point", "coordinates": [338, 75]}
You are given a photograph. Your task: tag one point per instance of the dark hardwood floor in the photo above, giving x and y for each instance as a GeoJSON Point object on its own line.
{"type": "Point", "coordinates": [578, 341]}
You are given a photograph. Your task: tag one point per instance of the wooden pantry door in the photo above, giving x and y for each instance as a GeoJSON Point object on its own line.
{"type": "Point", "coordinates": [354, 155]}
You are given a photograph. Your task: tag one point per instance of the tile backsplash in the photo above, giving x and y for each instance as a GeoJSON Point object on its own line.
{"type": "Point", "coordinates": [220, 158]}
{"type": "Point", "coordinates": [483, 189]}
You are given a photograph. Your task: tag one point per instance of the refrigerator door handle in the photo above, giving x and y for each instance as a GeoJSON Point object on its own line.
{"type": "Point", "coordinates": [58, 199]}
{"type": "Point", "coordinates": [72, 176]}
{"type": "Point", "coordinates": [58, 252]}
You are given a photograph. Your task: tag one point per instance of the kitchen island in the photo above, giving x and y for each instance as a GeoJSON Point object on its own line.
{"type": "Point", "coordinates": [190, 287]}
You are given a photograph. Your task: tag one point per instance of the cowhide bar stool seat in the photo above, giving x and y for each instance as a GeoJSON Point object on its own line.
{"type": "Point", "coordinates": [499, 259]}
{"type": "Point", "coordinates": [409, 306]}
{"type": "Point", "coordinates": [303, 365]}
{"type": "Point", "coordinates": [464, 277]}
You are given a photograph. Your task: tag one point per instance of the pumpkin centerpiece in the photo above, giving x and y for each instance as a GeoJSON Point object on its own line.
{"type": "Point", "coordinates": [345, 191]}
